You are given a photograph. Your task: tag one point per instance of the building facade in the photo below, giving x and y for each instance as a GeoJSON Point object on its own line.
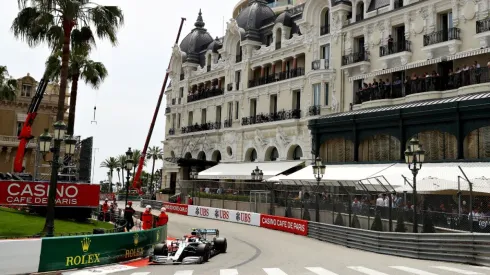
{"type": "Point", "coordinates": [13, 115]}
{"type": "Point", "coordinates": [317, 78]}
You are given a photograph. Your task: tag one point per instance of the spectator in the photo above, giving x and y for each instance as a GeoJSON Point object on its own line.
{"type": "Point", "coordinates": [163, 217]}
{"type": "Point", "coordinates": [147, 218]}
{"type": "Point", "coordinates": [128, 216]}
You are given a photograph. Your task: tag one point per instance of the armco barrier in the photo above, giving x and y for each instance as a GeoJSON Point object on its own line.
{"type": "Point", "coordinates": [224, 215]}
{"type": "Point", "coordinates": [19, 256]}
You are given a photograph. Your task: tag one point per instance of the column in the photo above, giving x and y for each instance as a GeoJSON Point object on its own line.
{"type": "Point", "coordinates": [283, 70]}
{"type": "Point", "coordinates": [295, 66]}
{"type": "Point", "coordinates": [262, 71]}
{"type": "Point", "coordinates": [273, 67]}
{"type": "Point", "coordinates": [219, 83]}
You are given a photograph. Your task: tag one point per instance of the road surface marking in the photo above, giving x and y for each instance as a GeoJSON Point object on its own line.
{"type": "Point", "coordinates": [412, 270]}
{"type": "Point", "coordinates": [274, 271]}
{"type": "Point", "coordinates": [140, 273]}
{"type": "Point", "coordinates": [184, 272]}
{"type": "Point", "coordinates": [228, 272]}
{"type": "Point", "coordinates": [320, 271]}
{"type": "Point", "coordinates": [457, 270]}
{"type": "Point", "coordinates": [366, 270]}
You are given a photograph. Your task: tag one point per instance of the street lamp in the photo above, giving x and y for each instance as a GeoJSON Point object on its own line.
{"type": "Point", "coordinates": [414, 157]}
{"type": "Point", "coordinates": [318, 172]}
{"type": "Point", "coordinates": [257, 174]}
{"type": "Point", "coordinates": [129, 167]}
{"type": "Point", "coordinates": [70, 144]}
{"type": "Point", "coordinates": [45, 142]}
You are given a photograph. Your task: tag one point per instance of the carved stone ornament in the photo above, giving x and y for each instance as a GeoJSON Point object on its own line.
{"type": "Point", "coordinates": [281, 137]}
{"type": "Point", "coordinates": [305, 28]}
{"type": "Point", "coordinates": [232, 27]}
{"type": "Point", "coordinates": [407, 20]}
{"type": "Point", "coordinates": [229, 138]}
{"type": "Point", "coordinates": [335, 106]}
{"type": "Point", "coordinates": [259, 139]}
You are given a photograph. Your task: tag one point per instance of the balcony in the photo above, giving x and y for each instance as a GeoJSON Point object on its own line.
{"type": "Point", "coordinates": [321, 64]}
{"type": "Point", "coordinates": [171, 131]}
{"type": "Point", "coordinates": [265, 118]}
{"type": "Point", "coordinates": [442, 42]}
{"type": "Point", "coordinates": [276, 77]}
{"type": "Point", "coordinates": [199, 128]}
{"type": "Point", "coordinates": [238, 58]}
{"type": "Point", "coordinates": [167, 110]}
{"type": "Point", "coordinates": [203, 94]}
{"type": "Point", "coordinates": [424, 88]}
{"type": "Point", "coordinates": [324, 29]}
{"type": "Point", "coordinates": [228, 123]}
{"type": "Point", "coordinates": [401, 51]}
{"type": "Point", "coordinates": [358, 59]}
{"type": "Point", "coordinates": [314, 110]}
{"type": "Point", "coordinates": [483, 32]}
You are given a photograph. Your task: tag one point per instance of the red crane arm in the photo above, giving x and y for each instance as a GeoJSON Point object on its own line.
{"type": "Point", "coordinates": [136, 178]}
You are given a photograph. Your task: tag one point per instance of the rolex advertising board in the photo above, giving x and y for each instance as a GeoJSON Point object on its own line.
{"type": "Point", "coordinates": [61, 253]}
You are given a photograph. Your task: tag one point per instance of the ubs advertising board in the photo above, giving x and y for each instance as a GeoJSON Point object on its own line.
{"type": "Point", "coordinates": [61, 253]}
{"type": "Point", "coordinates": [36, 194]}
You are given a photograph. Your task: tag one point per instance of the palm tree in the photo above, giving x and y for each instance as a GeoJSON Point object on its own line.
{"type": "Point", "coordinates": [80, 67]}
{"type": "Point", "coordinates": [136, 160]}
{"type": "Point", "coordinates": [7, 85]}
{"type": "Point", "coordinates": [111, 164]}
{"type": "Point", "coordinates": [122, 165]}
{"type": "Point", "coordinates": [155, 153]}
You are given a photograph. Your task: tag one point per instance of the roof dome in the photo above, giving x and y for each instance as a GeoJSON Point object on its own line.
{"type": "Point", "coordinates": [215, 45]}
{"type": "Point", "coordinates": [254, 17]}
{"type": "Point", "coordinates": [196, 41]}
{"type": "Point", "coordinates": [285, 18]}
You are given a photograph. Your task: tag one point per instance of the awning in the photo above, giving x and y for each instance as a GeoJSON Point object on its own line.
{"type": "Point", "coordinates": [468, 53]}
{"type": "Point", "coordinates": [408, 66]}
{"type": "Point", "coordinates": [243, 170]}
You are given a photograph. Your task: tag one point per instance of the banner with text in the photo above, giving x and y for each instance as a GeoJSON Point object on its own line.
{"type": "Point", "coordinates": [176, 208]}
{"type": "Point", "coordinates": [36, 193]}
{"type": "Point", "coordinates": [60, 253]}
{"type": "Point", "coordinates": [295, 226]}
{"type": "Point", "coordinates": [224, 215]}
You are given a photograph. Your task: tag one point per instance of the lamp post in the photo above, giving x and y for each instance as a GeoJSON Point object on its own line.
{"type": "Point", "coordinates": [257, 174]}
{"type": "Point", "coordinates": [193, 175]}
{"type": "Point", "coordinates": [414, 157]}
{"type": "Point", "coordinates": [45, 142]}
{"type": "Point", "coordinates": [129, 167]}
{"type": "Point", "coordinates": [318, 172]}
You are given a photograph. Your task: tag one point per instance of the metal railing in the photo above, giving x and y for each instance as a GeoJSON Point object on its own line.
{"type": "Point", "coordinates": [278, 116]}
{"type": "Point", "coordinates": [468, 248]}
{"type": "Point", "coordinates": [352, 58]}
{"type": "Point", "coordinates": [442, 36]}
{"type": "Point", "coordinates": [324, 29]}
{"type": "Point", "coordinates": [395, 47]}
{"type": "Point", "coordinates": [483, 25]}
{"type": "Point", "coordinates": [276, 77]}
{"type": "Point", "coordinates": [314, 110]}
{"type": "Point", "coordinates": [201, 127]}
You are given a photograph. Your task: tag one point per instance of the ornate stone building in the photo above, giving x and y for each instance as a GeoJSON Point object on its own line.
{"type": "Point", "coordinates": [13, 115]}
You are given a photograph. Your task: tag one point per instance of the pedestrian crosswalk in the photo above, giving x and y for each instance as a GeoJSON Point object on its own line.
{"type": "Point", "coordinates": [361, 270]}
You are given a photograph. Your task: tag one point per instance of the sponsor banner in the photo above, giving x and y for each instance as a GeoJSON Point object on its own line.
{"type": "Point", "coordinates": [176, 208]}
{"type": "Point", "coordinates": [36, 193]}
{"type": "Point", "coordinates": [295, 226]}
{"type": "Point", "coordinates": [224, 215]}
{"type": "Point", "coordinates": [61, 253]}
{"type": "Point", "coordinates": [19, 256]}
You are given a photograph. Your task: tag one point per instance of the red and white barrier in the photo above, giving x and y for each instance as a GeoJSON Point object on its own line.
{"type": "Point", "coordinates": [289, 225]}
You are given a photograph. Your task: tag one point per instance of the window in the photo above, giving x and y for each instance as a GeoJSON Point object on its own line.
{"type": "Point", "coordinates": [326, 94]}
{"type": "Point", "coordinates": [19, 127]}
{"type": "Point", "coordinates": [236, 110]}
{"type": "Point", "coordinates": [325, 51]}
{"type": "Point", "coordinates": [274, 154]}
{"type": "Point", "coordinates": [189, 119]}
{"type": "Point", "coordinates": [269, 40]}
{"type": "Point", "coordinates": [181, 92]}
{"type": "Point", "coordinates": [178, 120]}
{"type": "Point", "coordinates": [316, 94]}
{"type": "Point", "coordinates": [273, 104]}
{"type": "Point", "coordinates": [230, 111]}
{"type": "Point", "coordinates": [173, 121]}
{"type": "Point", "coordinates": [203, 116]}
{"type": "Point", "coordinates": [296, 100]}
{"type": "Point", "coordinates": [253, 107]}
{"type": "Point", "coordinates": [26, 90]}
{"type": "Point", "coordinates": [218, 113]}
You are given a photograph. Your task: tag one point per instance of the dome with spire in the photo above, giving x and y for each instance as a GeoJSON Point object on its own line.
{"type": "Point", "coordinates": [285, 18]}
{"type": "Point", "coordinates": [215, 45]}
{"type": "Point", "coordinates": [196, 41]}
{"type": "Point", "coordinates": [256, 15]}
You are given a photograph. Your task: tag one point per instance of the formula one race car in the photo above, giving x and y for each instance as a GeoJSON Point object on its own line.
{"type": "Point", "coordinates": [194, 248]}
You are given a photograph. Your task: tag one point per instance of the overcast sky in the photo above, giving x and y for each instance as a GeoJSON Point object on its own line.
{"type": "Point", "coordinates": [126, 100]}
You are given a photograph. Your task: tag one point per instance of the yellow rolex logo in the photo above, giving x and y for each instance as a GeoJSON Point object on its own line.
{"type": "Point", "coordinates": [85, 244]}
{"type": "Point", "coordinates": [136, 239]}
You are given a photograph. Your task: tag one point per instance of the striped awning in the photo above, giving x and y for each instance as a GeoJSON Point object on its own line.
{"type": "Point", "coordinates": [408, 66]}
{"type": "Point", "coordinates": [468, 53]}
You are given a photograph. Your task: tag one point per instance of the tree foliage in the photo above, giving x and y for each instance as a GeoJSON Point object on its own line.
{"type": "Point", "coordinates": [8, 86]}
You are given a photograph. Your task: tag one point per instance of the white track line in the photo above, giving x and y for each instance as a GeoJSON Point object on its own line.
{"type": "Point", "coordinates": [184, 272]}
{"type": "Point", "coordinates": [412, 270]}
{"type": "Point", "coordinates": [320, 271]}
{"type": "Point", "coordinates": [140, 273]}
{"type": "Point", "coordinates": [274, 271]}
{"type": "Point", "coordinates": [366, 270]}
{"type": "Point", "coordinates": [228, 272]}
{"type": "Point", "coordinates": [457, 270]}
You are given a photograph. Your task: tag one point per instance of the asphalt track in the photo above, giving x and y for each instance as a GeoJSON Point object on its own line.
{"type": "Point", "coordinates": [256, 251]}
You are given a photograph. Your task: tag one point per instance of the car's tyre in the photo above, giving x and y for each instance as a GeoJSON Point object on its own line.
{"type": "Point", "coordinates": [204, 251]}
{"type": "Point", "coordinates": [160, 250]}
{"type": "Point", "coordinates": [220, 244]}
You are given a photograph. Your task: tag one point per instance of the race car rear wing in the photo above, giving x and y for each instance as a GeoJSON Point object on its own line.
{"type": "Point", "coordinates": [206, 231]}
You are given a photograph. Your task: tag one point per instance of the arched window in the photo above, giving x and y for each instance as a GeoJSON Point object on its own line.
{"type": "Point", "coordinates": [238, 52]}
{"type": "Point", "coordinates": [360, 11]}
{"type": "Point", "coordinates": [325, 22]}
{"type": "Point", "coordinates": [278, 38]}
{"type": "Point", "coordinates": [201, 156]}
{"type": "Point", "coordinates": [274, 154]}
{"type": "Point", "coordinates": [297, 153]}
{"type": "Point", "coordinates": [253, 155]}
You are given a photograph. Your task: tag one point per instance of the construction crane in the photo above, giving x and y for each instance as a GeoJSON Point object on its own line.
{"type": "Point", "coordinates": [136, 178]}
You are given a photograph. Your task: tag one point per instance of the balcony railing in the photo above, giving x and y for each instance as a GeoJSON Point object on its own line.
{"type": "Point", "coordinates": [238, 58]}
{"type": "Point", "coordinates": [276, 77]}
{"type": "Point", "coordinates": [483, 25]}
{"type": "Point", "coordinates": [171, 131]}
{"type": "Point", "coordinates": [324, 29]}
{"type": "Point", "coordinates": [264, 118]}
{"type": "Point", "coordinates": [203, 127]}
{"type": "Point", "coordinates": [355, 57]}
{"type": "Point", "coordinates": [228, 123]}
{"type": "Point", "coordinates": [182, 76]}
{"type": "Point", "coordinates": [395, 47]}
{"type": "Point", "coordinates": [314, 110]}
{"type": "Point", "coordinates": [167, 110]}
{"type": "Point", "coordinates": [422, 84]}
{"type": "Point", "coordinates": [203, 94]}
{"type": "Point", "coordinates": [321, 64]}
{"type": "Point", "coordinates": [442, 36]}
